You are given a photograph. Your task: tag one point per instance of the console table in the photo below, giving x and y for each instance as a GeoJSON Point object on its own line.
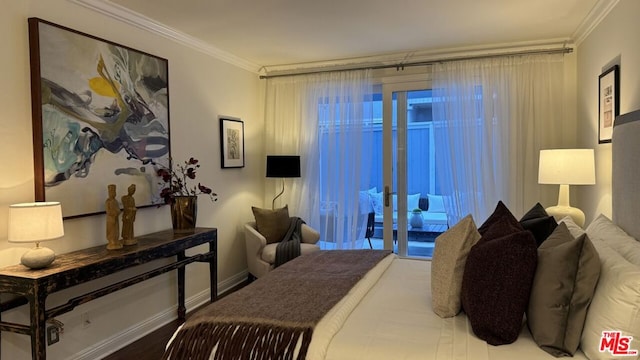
{"type": "Point", "coordinates": [33, 286]}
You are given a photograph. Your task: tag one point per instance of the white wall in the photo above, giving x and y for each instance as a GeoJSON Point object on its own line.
{"type": "Point", "coordinates": [201, 89]}
{"type": "Point", "coordinates": [613, 41]}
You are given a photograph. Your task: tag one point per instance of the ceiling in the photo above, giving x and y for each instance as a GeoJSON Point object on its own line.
{"type": "Point", "coordinates": [283, 32]}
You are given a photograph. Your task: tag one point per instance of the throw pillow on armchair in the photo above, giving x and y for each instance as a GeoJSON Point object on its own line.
{"type": "Point", "coordinates": [272, 224]}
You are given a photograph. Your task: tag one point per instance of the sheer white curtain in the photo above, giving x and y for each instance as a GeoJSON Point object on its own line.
{"type": "Point", "coordinates": [492, 117]}
{"type": "Point", "coordinates": [327, 120]}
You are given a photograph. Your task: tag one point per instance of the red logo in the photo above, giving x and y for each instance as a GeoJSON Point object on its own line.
{"type": "Point", "coordinates": [617, 344]}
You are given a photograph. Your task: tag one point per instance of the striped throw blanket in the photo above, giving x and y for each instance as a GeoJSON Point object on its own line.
{"type": "Point", "coordinates": [274, 317]}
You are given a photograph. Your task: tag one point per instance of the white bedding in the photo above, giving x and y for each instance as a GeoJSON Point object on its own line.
{"type": "Point", "coordinates": [388, 316]}
{"type": "Point", "coordinates": [395, 321]}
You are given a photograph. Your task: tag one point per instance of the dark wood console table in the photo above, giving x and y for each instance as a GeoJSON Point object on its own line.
{"type": "Point", "coordinates": [33, 286]}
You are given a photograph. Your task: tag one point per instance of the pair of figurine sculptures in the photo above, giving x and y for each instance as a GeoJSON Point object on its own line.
{"type": "Point", "coordinates": [128, 217]}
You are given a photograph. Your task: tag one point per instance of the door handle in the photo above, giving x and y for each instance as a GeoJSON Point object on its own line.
{"type": "Point", "coordinates": [387, 193]}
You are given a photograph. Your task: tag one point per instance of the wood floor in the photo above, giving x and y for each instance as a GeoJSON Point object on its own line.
{"type": "Point", "coordinates": [149, 347]}
{"type": "Point", "coordinates": [152, 346]}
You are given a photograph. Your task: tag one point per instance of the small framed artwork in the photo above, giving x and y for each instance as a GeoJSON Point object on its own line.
{"type": "Point", "coordinates": [100, 114]}
{"type": "Point", "coordinates": [231, 143]}
{"type": "Point", "coordinates": [608, 103]}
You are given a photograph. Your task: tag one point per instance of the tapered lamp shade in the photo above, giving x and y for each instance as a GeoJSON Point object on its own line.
{"type": "Point", "coordinates": [33, 223]}
{"type": "Point", "coordinates": [566, 167]}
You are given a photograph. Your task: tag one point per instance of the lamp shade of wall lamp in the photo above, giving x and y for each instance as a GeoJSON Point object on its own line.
{"type": "Point", "coordinates": [33, 223]}
{"type": "Point", "coordinates": [282, 166]}
{"type": "Point", "coordinates": [566, 167]}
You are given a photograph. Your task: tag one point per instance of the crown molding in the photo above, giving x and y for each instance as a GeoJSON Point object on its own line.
{"type": "Point", "coordinates": [140, 21]}
{"type": "Point", "coordinates": [117, 12]}
{"type": "Point", "coordinates": [599, 11]}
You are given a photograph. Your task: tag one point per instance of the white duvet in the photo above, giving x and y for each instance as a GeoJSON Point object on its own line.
{"type": "Point", "coordinates": [394, 320]}
{"type": "Point", "coordinates": [388, 316]}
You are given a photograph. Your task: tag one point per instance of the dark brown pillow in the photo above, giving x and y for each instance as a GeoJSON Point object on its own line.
{"type": "Point", "coordinates": [539, 223]}
{"type": "Point", "coordinates": [496, 285]}
{"type": "Point", "coordinates": [272, 224]}
{"type": "Point", "coordinates": [502, 214]}
{"type": "Point", "coordinates": [497, 278]}
{"type": "Point", "coordinates": [563, 286]}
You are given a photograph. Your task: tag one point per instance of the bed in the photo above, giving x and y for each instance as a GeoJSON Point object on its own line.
{"type": "Point", "coordinates": [388, 313]}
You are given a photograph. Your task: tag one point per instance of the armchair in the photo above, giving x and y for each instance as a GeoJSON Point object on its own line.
{"type": "Point", "coordinates": [261, 256]}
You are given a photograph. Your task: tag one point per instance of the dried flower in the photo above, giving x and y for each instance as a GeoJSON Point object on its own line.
{"type": "Point", "coordinates": [175, 182]}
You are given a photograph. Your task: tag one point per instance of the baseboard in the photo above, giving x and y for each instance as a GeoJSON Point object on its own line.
{"type": "Point", "coordinates": [134, 333]}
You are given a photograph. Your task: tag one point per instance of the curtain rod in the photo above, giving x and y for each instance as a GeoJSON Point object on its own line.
{"type": "Point", "coordinates": [401, 66]}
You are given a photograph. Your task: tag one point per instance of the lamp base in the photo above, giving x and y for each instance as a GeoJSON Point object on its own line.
{"type": "Point", "coordinates": [38, 257]}
{"type": "Point", "coordinates": [558, 212]}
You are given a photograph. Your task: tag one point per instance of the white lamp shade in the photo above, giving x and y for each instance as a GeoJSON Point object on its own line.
{"type": "Point", "coordinates": [567, 166]}
{"type": "Point", "coordinates": [35, 222]}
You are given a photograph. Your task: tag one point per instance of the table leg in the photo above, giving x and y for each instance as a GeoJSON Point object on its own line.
{"type": "Point", "coordinates": [213, 270]}
{"type": "Point", "coordinates": [182, 310]}
{"type": "Point", "coordinates": [38, 324]}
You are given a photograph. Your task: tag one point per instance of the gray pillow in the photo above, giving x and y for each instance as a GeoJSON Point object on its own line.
{"type": "Point", "coordinates": [563, 286]}
{"type": "Point", "coordinates": [272, 224]}
{"type": "Point", "coordinates": [447, 266]}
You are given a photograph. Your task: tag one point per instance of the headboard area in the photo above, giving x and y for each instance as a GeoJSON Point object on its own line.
{"type": "Point", "coordinates": [625, 175]}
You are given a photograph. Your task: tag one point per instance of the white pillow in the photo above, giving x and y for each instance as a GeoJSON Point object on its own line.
{"type": "Point", "coordinates": [436, 203]}
{"type": "Point", "coordinates": [615, 305]}
{"type": "Point", "coordinates": [603, 229]}
{"type": "Point", "coordinates": [376, 202]}
{"type": "Point", "coordinates": [413, 202]}
{"type": "Point", "coordinates": [364, 204]}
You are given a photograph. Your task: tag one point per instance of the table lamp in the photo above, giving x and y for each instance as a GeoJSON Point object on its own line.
{"type": "Point", "coordinates": [566, 167]}
{"type": "Point", "coordinates": [35, 222]}
{"type": "Point", "coordinates": [282, 166]}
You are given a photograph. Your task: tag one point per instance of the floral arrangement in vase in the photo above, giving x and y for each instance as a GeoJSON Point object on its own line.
{"type": "Point", "coordinates": [176, 182]}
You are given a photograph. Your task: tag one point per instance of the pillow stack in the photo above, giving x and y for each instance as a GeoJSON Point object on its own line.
{"type": "Point", "coordinates": [498, 276]}
{"type": "Point", "coordinates": [572, 284]}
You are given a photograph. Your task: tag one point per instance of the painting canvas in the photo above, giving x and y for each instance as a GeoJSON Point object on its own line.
{"type": "Point", "coordinates": [231, 143]}
{"type": "Point", "coordinates": [100, 116]}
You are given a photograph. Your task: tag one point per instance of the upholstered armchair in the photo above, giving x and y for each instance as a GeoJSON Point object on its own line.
{"type": "Point", "coordinates": [261, 256]}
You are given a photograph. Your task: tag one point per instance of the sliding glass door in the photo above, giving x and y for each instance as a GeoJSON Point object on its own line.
{"type": "Point", "coordinates": [409, 179]}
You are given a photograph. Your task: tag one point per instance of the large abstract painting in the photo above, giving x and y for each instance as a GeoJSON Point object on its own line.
{"type": "Point", "coordinates": [100, 116]}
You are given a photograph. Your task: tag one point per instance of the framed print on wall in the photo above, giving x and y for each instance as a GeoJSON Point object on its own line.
{"type": "Point", "coordinates": [608, 103]}
{"type": "Point", "coordinates": [231, 143]}
{"type": "Point", "coordinates": [100, 116]}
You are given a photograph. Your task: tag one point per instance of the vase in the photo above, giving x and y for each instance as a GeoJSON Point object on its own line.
{"type": "Point", "coordinates": [416, 220]}
{"type": "Point", "coordinates": [184, 211]}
